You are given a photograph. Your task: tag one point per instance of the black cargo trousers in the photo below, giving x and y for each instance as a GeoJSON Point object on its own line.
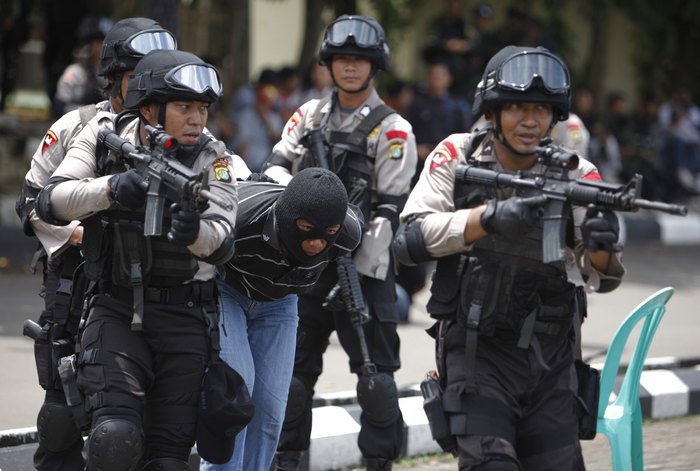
{"type": "Point", "coordinates": [150, 377]}
{"type": "Point", "coordinates": [316, 324]}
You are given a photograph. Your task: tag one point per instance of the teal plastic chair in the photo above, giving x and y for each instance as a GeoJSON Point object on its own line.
{"type": "Point", "coordinates": [621, 420]}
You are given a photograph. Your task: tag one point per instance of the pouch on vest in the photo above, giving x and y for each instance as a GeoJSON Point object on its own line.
{"type": "Point", "coordinates": [588, 396]}
{"type": "Point", "coordinates": [484, 294]}
{"type": "Point", "coordinates": [444, 287]}
{"type": "Point", "coordinates": [131, 256]}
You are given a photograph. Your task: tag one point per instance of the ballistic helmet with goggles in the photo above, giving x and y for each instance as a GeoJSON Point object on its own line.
{"type": "Point", "coordinates": [163, 76]}
{"type": "Point", "coordinates": [530, 74]}
{"type": "Point", "coordinates": [354, 35]}
{"type": "Point", "coordinates": [128, 41]}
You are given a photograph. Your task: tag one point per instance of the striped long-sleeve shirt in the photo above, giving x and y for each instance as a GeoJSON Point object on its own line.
{"type": "Point", "coordinates": [259, 269]}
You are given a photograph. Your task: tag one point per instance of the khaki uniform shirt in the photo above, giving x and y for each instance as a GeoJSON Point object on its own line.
{"type": "Point", "coordinates": [85, 193]}
{"type": "Point", "coordinates": [443, 226]}
{"type": "Point", "coordinates": [393, 146]}
{"type": "Point", "coordinates": [45, 161]}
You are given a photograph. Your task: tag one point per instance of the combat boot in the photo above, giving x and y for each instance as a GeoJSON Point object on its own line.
{"type": "Point", "coordinates": [287, 461]}
{"type": "Point", "coordinates": [378, 464]}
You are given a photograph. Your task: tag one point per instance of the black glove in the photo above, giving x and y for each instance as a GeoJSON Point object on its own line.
{"type": "Point", "coordinates": [514, 216]}
{"type": "Point", "coordinates": [184, 227]}
{"type": "Point", "coordinates": [260, 177]}
{"type": "Point", "coordinates": [600, 230]}
{"type": "Point", "coordinates": [128, 188]}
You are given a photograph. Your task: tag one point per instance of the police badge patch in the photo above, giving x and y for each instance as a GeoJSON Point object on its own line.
{"type": "Point", "coordinates": [49, 140]}
{"type": "Point", "coordinates": [443, 154]}
{"type": "Point", "coordinates": [221, 170]}
{"type": "Point", "coordinates": [396, 150]}
{"type": "Point", "coordinates": [397, 140]}
{"type": "Point", "coordinates": [294, 120]}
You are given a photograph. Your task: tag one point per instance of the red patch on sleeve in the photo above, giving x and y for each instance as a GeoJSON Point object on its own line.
{"type": "Point", "coordinates": [396, 134]}
{"type": "Point", "coordinates": [444, 153]}
{"type": "Point", "coordinates": [49, 139]}
{"type": "Point", "coordinates": [294, 120]}
{"type": "Point", "coordinates": [593, 176]}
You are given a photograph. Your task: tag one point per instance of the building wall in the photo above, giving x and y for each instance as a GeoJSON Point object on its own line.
{"type": "Point", "coordinates": [277, 31]}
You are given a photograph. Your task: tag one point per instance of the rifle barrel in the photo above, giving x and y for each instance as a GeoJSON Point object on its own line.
{"type": "Point", "coordinates": [222, 203]}
{"type": "Point", "coordinates": [664, 207]}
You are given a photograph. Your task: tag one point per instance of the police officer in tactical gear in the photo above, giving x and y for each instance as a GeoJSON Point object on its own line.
{"type": "Point", "coordinates": [147, 339]}
{"type": "Point", "coordinates": [60, 441]}
{"type": "Point", "coordinates": [506, 322]}
{"type": "Point", "coordinates": [373, 151]}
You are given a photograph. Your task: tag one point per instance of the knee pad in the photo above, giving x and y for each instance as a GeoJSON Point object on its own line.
{"type": "Point", "coordinates": [166, 464]}
{"type": "Point", "coordinates": [116, 444]}
{"type": "Point", "coordinates": [298, 400]}
{"type": "Point", "coordinates": [56, 428]}
{"type": "Point", "coordinates": [378, 398]}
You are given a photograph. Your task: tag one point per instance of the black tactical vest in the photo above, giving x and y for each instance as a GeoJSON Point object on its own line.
{"type": "Point", "coordinates": [349, 157]}
{"type": "Point", "coordinates": [116, 250]}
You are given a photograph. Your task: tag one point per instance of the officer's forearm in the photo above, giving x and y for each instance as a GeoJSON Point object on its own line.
{"type": "Point", "coordinates": [473, 231]}
{"type": "Point", "coordinates": [76, 199]}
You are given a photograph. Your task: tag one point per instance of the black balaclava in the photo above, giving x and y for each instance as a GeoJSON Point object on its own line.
{"type": "Point", "coordinates": [314, 194]}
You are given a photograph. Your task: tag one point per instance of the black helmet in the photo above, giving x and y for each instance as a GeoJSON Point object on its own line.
{"type": "Point", "coordinates": [518, 74]}
{"type": "Point", "coordinates": [164, 75]}
{"type": "Point", "coordinates": [355, 35]}
{"type": "Point", "coordinates": [129, 40]}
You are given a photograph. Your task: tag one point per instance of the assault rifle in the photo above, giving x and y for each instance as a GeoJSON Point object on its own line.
{"type": "Point", "coordinates": [562, 192]}
{"type": "Point", "coordinates": [164, 175]}
{"type": "Point", "coordinates": [348, 288]}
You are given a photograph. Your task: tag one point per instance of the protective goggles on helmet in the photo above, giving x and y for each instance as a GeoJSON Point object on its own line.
{"type": "Point", "coordinates": [141, 43]}
{"type": "Point", "coordinates": [360, 31]}
{"type": "Point", "coordinates": [195, 78]}
{"type": "Point", "coordinates": [519, 72]}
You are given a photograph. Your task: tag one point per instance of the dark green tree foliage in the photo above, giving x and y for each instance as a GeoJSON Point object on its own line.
{"type": "Point", "coordinates": [666, 38]}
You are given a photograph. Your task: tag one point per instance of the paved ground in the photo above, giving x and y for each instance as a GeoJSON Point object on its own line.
{"type": "Point", "coordinates": [669, 445]}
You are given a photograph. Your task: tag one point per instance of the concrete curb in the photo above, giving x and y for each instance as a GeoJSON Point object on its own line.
{"type": "Point", "coordinates": [668, 388]}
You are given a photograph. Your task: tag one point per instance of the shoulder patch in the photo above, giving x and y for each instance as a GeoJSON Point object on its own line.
{"type": "Point", "coordinates": [396, 134]}
{"type": "Point", "coordinates": [396, 150]}
{"type": "Point", "coordinates": [444, 153]}
{"type": "Point", "coordinates": [222, 172]}
{"type": "Point", "coordinates": [294, 120]}
{"type": "Point", "coordinates": [49, 140]}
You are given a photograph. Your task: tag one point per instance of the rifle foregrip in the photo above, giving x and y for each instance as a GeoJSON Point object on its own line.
{"type": "Point", "coordinates": [349, 282]}
{"type": "Point", "coordinates": [222, 203]}
{"type": "Point", "coordinates": [486, 177]}
{"type": "Point", "coordinates": [113, 142]}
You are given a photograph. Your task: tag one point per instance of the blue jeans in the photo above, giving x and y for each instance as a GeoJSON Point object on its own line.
{"type": "Point", "coordinates": [258, 340]}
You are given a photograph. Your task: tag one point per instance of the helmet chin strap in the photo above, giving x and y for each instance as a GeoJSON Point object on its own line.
{"type": "Point", "coordinates": [498, 132]}
{"type": "Point", "coordinates": [115, 90]}
{"type": "Point", "coordinates": [364, 85]}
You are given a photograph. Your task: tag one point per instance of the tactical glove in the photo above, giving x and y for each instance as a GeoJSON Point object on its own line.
{"type": "Point", "coordinates": [184, 227]}
{"type": "Point", "coordinates": [128, 189]}
{"type": "Point", "coordinates": [600, 230]}
{"type": "Point", "coordinates": [260, 177]}
{"type": "Point", "coordinates": [512, 217]}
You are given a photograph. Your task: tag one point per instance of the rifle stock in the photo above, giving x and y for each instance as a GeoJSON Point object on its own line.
{"type": "Point", "coordinates": [163, 174]}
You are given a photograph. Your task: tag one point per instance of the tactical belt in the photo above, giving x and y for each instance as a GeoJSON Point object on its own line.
{"type": "Point", "coordinates": [197, 291]}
